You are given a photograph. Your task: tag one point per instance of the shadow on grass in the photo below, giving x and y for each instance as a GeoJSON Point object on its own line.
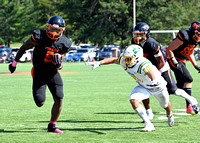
{"type": "Point", "coordinates": [88, 121]}
{"type": "Point", "coordinates": [6, 131]}
{"type": "Point", "coordinates": [117, 113]}
{"type": "Point", "coordinates": [100, 130]}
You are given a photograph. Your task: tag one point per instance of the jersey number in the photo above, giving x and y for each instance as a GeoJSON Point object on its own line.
{"type": "Point", "coordinates": [188, 50]}
{"type": "Point", "coordinates": [147, 69]}
{"type": "Point", "coordinates": [49, 54]}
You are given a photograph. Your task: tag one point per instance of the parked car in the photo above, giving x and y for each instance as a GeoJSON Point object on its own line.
{"type": "Point", "coordinates": [85, 54]}
{"type": "Point", "coordinates": [27, 56]}
{"type": "Point", "coordinates": [84, 45]}
{"type": "Point", "coordinates": [74, 47]}
{"type": "Point", "coordinates": [5, 52]}
{"type": "Point", "coordinates": [109, 51]}
{"type": "Point", "coordinates": [13, 53]}
{"type": "Point", "coordinates": [97, 54]}
{"type": "Point", "coordinates": [69, 56]}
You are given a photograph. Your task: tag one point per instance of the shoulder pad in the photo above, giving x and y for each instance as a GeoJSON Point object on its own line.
{"type": "Point", "coordinates": [65, 42]}
{"type": "Point", "coordinates": [183, 35]}
{"type": "Point", "coordinates": [144, 66]}
{"type": "Point", "coordinates": [153, 44]}
{"type": "Point", "coordinates": [36, 35]}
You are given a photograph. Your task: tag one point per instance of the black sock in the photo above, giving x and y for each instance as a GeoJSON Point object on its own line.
{"type": "Point", "coordinates": [188, 91]}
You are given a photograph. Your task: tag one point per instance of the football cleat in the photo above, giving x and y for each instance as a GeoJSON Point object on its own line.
{"type": "Point", "coordinates": [170, 120]}
{"type": "Point", "coordinates": [52, 128]}
{"type": "Point", "coordinates": [195, 108]}
{"type": "Point", "coordinates": [189, 110]}
{"type": "Point", "coordinates": [148, 127]}
{"type": "Point", "coordinates": [55, 130]}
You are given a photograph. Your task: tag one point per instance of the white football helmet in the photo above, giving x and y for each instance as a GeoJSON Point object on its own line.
{"type": "Point", "coordinates": [131, 55]}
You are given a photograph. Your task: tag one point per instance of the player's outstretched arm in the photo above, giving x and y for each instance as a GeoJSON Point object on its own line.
{"type": "Point", "coordinates": [102, 62]}
{"type": "Point", "coordinates": [27, 45]}
{"type": "Point", "coordinates": [193, 61]}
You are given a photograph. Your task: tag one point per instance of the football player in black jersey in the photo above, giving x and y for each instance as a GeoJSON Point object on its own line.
{"type": "Point", "coordinates": [50, 45]}
{"type": "Point", "coordinates": [181, 48]}
{"type": "Point", "coordinates": [153, 52]}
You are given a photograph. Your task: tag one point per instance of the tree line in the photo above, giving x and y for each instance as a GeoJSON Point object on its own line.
{"type": "Point", "coordinates": [97, 22]}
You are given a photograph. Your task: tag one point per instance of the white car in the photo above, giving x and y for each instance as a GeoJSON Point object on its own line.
{"type": "Point", "coordinates": [109, 51]}
{"type": "Point", "coordinates": [74, 47]}
{"type": "Point", "coordinates": [26, 57]}
{"type": "Point", "coordinates": [85, 54]}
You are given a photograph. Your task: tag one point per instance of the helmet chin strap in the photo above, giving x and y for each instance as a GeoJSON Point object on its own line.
{"type": "Point", "coordinates": [138, 40]}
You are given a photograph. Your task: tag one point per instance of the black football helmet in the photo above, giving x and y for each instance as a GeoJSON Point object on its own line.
{"type": "Point", "coordinates": [55, 27]}
{"type": "Point", "coordinates": [194, 29]}
{"type": "Point", "coordinates": [141, 32]}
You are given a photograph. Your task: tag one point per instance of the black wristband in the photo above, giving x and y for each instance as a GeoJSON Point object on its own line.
{"type": "Point", "coordinates": [197, 67]}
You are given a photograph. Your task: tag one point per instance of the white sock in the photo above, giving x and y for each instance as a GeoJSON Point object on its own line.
{"type": "Point", "coordinates": [142, 113]}
{"type": "Point", "coordinates": [150, 111]}
{"type": "Point", "coordinates": [183, 94]}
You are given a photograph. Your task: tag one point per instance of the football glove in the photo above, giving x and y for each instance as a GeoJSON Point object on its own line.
{"type": "Point", "coordinates": [154, 84]}
{"type": "Point", "coordinates": [12, 66]}
{"type": "Point", "coordinates": [178, 67]}
{"type": "Point", "coordinates": [57, 60]}
{"type": "Point", "coordinates": [197, 68]}
{"type": "Point", "coordinates": [93, 64]}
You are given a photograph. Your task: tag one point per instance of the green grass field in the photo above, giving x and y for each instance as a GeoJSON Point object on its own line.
{"type": "Point", "coordinates": [96, 109]}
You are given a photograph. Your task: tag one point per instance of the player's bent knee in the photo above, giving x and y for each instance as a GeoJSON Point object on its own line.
{"type": "Point", "coordinates": [172, 91]}
{"type": "Point", "coordinates": [135, 103]}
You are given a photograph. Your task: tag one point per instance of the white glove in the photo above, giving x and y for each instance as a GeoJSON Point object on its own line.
{"type": "Point", "coordinates": [94, 64]}
{"type": "Point", "coordinates": [154, 83]}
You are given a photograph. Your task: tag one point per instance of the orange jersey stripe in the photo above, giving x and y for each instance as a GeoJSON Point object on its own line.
{"type": "Point", "coordinates": [157, 50]}
{"type": "Point", "coordinates": [180, 36]}
{"type": "Point", "coordinates": [33, 38]}
{"type": "Point", "coordinates": [32, 71]}
{"type": "Point", "coordinates": [181, 60]}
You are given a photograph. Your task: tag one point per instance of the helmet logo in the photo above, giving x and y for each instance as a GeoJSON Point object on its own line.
{"type": "Point", "coordinates": [146, 27]}
{"type": "Point", "coordinates": [195, 26]}
{"type": "Point", "coordinates": [55, 25]}
{"type": "Point", "coordinates": [135, 50]}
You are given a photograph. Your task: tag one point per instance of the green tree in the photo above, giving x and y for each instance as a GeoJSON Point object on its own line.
{"type": "Point", "coordinates": [167, 15]}
{"type": "Point", "coordinates": [99, 22]}
{"type": "Point", "coordinates": [17, 19]}
{"type": "Point", "coordinates": [96, 21]}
